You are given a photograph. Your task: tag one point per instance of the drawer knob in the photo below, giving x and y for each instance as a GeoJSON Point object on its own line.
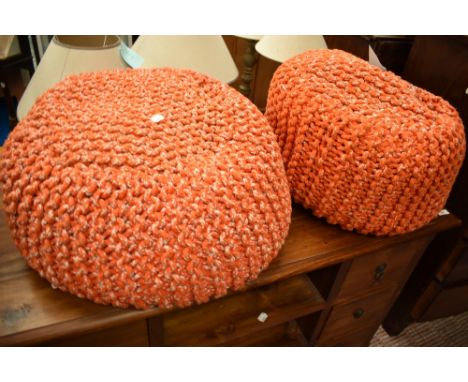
{"type": "Point", "coordinates": [379, 271]}
{"type": "Point", "coordinates": [358, 313]}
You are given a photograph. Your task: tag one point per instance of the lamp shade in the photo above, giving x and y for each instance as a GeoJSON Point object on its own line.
{"type": "Point", "coordinates": [254, 37]}
{"type": "Point", "coordinates": [205, 54]}
{"type": "Point", "coordinates": [281, 48]}
{"type": "Point", "coordinates": [8, 46]}
{"type": "Point", "coordinates": [67, 55]}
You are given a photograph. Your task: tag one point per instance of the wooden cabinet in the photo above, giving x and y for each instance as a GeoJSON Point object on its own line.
{"type": "Point", "coordinates": [326, 287]}
{"type": "Point", "coordinates": [369, 286]}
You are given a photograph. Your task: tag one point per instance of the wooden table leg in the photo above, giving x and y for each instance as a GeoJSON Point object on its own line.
{"type": "Point", "coordinates": [155, 326]}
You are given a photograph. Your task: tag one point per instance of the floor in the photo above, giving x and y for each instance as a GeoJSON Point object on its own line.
{"type": "Point", "coordinates": [450, 331]}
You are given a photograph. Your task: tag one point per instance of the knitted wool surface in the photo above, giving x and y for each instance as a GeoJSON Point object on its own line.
{"type": "Point", "coordinates": [148, 187]}
{"type": "Point", "coordinates": [362, 147]}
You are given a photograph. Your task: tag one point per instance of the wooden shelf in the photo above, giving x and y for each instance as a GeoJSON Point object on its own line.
{"type": "Point", "coordinates": [235, 316]}
{"type": "Point", "coordinates": [265, 337]}
{"type": "Point", "coordinates": [284, 335]}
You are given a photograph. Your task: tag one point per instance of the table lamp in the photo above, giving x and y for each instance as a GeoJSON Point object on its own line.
{"type": "Point", "coordinates": [67, 55]}
{"type": "Point", "coordinates": [205, 54]}
{"type": "Point", "coordinates": [281, 48]}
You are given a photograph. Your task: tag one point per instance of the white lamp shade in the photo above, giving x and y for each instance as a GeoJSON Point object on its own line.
{"type": "Point", "coordinates": [282, 48]}
{"type": "Point", "coordinates": [67, 55]}
{"type": "Point", "coordinates": [205, 54]}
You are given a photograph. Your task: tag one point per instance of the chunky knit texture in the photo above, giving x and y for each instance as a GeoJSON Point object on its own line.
{"type": "Point", "coordinates": [362, 147]}
{"type": "Point", "coordinates": [151, 187]}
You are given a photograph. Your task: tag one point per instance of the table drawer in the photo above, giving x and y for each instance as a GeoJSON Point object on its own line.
{"type": "Point", "coordinates": [356, 321]}
{"type": "Point", "coordinates": [382, 269]}
{"type": "Point", "coordinates": [359, 338]}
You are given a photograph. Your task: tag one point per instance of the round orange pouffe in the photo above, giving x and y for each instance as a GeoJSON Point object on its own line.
{"type": "Point", "coordinates": [362, 147]}
{"type": "Point", "coordinates": [148, 187]}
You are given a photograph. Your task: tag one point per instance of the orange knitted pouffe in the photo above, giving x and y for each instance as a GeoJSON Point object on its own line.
{"type": "Point", "coordinates": [362, 147]}
{"type": "Point", "coordinates": [148, 187]}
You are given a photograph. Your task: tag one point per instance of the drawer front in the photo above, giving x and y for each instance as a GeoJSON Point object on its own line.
{"type": "Point", "coordinates": [132, 334]}
{"type": "Point", "coordinates": [353, 324]}
{"type": "Point", "coordinates": [358, 338]}
{"type": "Point", "coordinates": [382, 269]}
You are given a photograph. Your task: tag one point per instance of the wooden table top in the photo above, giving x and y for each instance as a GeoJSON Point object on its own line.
{"type": "Point", "coordinates": [31, 311]}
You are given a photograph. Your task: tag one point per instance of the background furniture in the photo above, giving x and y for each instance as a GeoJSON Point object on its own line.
{"type": "Point", "coordinates": [327, 287]}
{"type": "Point", "coordinates": [439, 284]}
{"type": "Point", "coordinates": [10, 64]}
{"type": "Point", "coordinates": [392, 51]}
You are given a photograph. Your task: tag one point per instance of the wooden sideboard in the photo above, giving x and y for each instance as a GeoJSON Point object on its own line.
{"type": "Point", "coordinates": [327, 287]}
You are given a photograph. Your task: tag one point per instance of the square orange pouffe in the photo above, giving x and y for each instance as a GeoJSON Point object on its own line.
{"type": "Point", "coordinates": [148, 187]}
{"type": "Point", "coordinates": [362, 147]}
